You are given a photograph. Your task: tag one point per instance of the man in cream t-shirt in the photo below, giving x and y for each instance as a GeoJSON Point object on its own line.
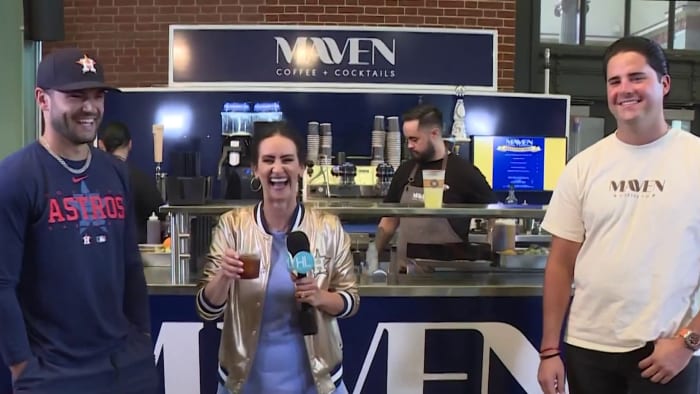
{"type": "Point", "coordinates": [625, 225]}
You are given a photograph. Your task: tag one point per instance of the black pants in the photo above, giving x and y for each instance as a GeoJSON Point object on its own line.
{"type": "Point", "coordinates": [593, 372]}
{"type": "Point", "coordinates": [129, 370]}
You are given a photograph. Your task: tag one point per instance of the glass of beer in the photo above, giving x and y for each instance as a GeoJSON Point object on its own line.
{"type": "Point", "coordinates": [433, 185]}
{"type": "Point", "coordinates": [251, 265]}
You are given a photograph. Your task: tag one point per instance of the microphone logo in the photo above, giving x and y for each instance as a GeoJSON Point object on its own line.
{"type": "Point", "coordinates": [302, 262]}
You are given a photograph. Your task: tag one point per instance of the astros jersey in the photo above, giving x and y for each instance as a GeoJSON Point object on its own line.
{"type": "Point", "coordinates": [68, 244]}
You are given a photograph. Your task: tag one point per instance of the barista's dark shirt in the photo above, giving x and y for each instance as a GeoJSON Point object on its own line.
{"type": "Point", "coordinates": [467, 185]}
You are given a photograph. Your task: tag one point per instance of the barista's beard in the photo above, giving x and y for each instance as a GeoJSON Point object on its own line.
{"type": "Point", "coordinates": [426, 156]}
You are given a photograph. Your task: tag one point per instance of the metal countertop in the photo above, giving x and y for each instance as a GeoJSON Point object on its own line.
{"type": "Point", "coordinates": [481, 285]}
{"type": "Point", "coordinates": [361, 208]}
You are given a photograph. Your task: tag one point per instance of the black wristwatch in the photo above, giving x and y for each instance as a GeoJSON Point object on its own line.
{"type": "Point", "coordinates": [691, 338]}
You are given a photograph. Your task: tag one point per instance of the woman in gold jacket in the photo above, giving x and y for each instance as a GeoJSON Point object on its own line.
{"type": "Point", "coordinates": [262, 347]}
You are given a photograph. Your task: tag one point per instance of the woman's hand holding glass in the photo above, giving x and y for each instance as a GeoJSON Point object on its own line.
{"type": "Point", "coordinates": [236, 265]}
{"type": "Point", "coordinates": [231, 265]}
{"type": "Point", "coordinates": [231, 268]}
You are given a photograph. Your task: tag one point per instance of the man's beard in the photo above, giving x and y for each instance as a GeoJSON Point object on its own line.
{"type": "Point", "coordinates": [62, 125]}
{"type": "Point", "coordinates": [426, 156]}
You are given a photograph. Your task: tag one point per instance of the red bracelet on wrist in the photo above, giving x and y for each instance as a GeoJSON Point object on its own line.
{"type": "Point", "coordinates": [547, 349]}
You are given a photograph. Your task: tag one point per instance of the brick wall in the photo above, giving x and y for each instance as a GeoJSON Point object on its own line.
{"type": "Point", "coordinates": [130, 37]}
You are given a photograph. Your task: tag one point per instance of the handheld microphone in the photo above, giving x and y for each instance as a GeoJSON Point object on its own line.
{"type": "Point", "coordinates": [302, 262]}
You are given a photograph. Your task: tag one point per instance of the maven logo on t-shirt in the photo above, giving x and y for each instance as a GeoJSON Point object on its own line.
{"type": "Point", "coordinates": [637, 188]}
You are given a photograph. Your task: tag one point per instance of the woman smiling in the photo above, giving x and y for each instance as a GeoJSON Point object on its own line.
{"type": "Point", "coordinates": [263, 349]}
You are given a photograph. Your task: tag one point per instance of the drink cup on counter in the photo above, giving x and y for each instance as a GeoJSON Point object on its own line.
{"type": "Point", "coordinates": [503, 235]}
{"type": "Point", "coordinates": [433, 186]}
{"type": "Point", "coordinates": [251, 265]}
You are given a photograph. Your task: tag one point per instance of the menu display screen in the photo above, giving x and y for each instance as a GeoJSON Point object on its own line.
{"type": "Point", "coordinates": [528, 163]}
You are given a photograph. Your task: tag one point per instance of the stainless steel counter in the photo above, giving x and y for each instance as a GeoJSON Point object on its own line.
{"type": "Point", "coordinates": [477, 284]}
{"type": "Point", "coordinates": [486, 285]}
{"type": "Point", "coordinates": [345, 208]}
{"type": "Point", "coordinates": [352, 208]}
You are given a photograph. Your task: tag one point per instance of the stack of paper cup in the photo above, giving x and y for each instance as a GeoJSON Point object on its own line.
{"type": "Point", "coordinates": [393, 142]}
{"type": "Point", "coordinates": [378, 141]}
{"type": "Point", "coordinates": [313, 142]}
{"type": "Point", "coordinates": [378, 123]}
{"type": "Point", "coordinates": [325, 154]}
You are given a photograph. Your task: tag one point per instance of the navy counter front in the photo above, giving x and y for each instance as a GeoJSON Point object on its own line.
{"type": "Point", "coordinates": [478, 338]}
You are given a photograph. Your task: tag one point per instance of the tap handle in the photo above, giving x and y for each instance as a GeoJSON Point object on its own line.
{"type": "Point", "coordinates": [158, 130]}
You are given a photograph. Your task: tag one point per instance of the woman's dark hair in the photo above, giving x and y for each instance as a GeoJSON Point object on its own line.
{"type": "Point", "coordinates": [114, 135]}
{"type": "Point", "coordinates": [652, 51]}
{"type": "Point", "coordinates": [265, 130]}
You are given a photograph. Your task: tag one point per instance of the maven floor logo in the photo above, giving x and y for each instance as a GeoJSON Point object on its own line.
{"type": "Point", "coordinates": [178, 344]}
{"type": "Point", "coordinates": [406, 355]}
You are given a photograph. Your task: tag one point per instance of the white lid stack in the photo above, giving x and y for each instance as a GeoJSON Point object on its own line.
{"type": "Point", "coordinates": [393, 142]}
{"type": "Point", "coordinates": [325, 155]}
{"type": "Point", "coordinates": [378, 140]}
{"type": "Point", "coordinates": [313, 142]}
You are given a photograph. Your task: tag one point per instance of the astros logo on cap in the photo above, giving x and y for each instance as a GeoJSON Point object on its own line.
{"type": "Point", "coordinates": [88, 64]}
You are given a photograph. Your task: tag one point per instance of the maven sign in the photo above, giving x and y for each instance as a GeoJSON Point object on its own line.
{"type": "Point", "coordinates": [326, 56]}
{"type": "Point", "coordinates": [307, 50]}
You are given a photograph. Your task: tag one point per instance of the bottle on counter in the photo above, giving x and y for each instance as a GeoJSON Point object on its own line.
{"type": "Point", "coordinates": [153, 230]}
{"type": "Point", "coordinates": [511, 199]}
{"type": "Point", "coordinates": [372, 256]}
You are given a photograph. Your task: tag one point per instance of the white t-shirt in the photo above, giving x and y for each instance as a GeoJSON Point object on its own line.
{"type": "Point", "coordinates": [636, 209]}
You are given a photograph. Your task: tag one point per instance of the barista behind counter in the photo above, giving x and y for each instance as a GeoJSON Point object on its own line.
{"type": "Point", "coordinates": [115, 138]}
{"type": "Point", "coordinates": [434, 237]}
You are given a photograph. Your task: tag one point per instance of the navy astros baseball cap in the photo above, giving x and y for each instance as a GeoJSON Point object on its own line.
{"type": "Point", "coordinates": [70, 69]}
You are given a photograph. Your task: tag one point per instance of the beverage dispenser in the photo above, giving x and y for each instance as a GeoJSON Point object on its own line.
{"type": "Point", "coordinates": [238, 122]}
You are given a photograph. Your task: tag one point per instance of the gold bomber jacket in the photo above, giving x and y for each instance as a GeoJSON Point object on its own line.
{"type": "Point", "coordinates": [244, 229]}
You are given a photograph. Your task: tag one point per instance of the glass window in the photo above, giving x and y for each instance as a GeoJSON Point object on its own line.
{"type": "Point", "coordinates": [687, 26]}
{"type": "Point", "coordinates": [650, 19]}
{"type": "Point", "coordinates": [605, 21]}
{"type": "Point", "coordinates": [559, 21]}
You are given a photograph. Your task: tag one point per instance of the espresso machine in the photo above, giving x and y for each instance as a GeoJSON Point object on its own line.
{"type": "Point", "coordinates": [345, 179]}
{"type": "Point", "coordinates": [239, 121]}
